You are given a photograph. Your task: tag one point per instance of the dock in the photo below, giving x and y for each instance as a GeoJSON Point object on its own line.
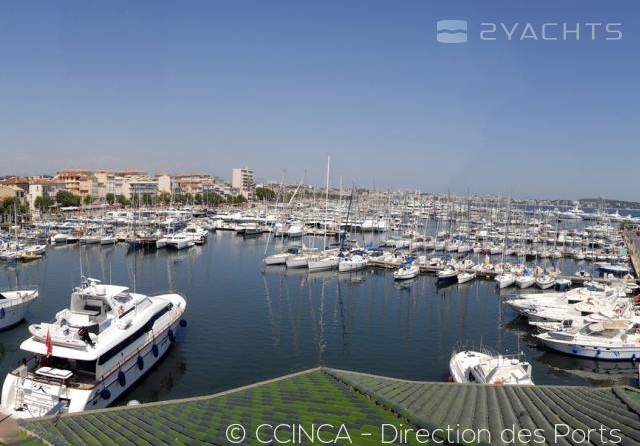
{"type": "Point", "coordinates": [363, 403]}
{"type": "Point", "coordinates": [488, 275]}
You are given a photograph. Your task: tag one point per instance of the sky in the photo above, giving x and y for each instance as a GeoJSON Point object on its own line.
{"type": "Point", "coordinates": [278, 86]}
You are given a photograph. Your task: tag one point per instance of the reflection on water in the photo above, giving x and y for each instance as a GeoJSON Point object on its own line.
{"type": "Point", "coordinates": [161, 380]}
{"type": "Point", "coordinates": [248, 322]}
{"type": "Point", "coordinates": [599, 373]}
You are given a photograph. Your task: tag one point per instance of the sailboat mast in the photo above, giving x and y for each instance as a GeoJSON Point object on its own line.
{"type": "Point", "coordinates": [326, 206]}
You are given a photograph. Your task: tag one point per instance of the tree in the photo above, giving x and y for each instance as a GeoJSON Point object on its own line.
{"type": "Point", "coordinates": [236, 199]}
{"type": "Point", "coordinates": [9, 206]}
{"type": "Point", "coordinates": [198, 198]}
{"type": "Point", "coordinates": [122, 200]}
{"type": "Point", "coordinates": [66, 199]}
{"type": "Point", "coordinates": [111, 198]}
{"type": "Point", "coordinates": [87, 199]}
{"type": "Point", "coordinates": [179, 198]}
{"type": "Point", "coordinates": [147, 199]}
{"type": "Point", "coordinates": [165, 197]}
{"type": "Point", "coordinates": [43, 203]}
{"type": "Point", "coordinates": [264, 193]}
{"type": "Point", "coordinates": [212, 199]}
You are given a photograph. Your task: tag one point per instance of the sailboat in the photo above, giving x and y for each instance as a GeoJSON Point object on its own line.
{"type": "Point", "coordinates": [408, 270]}
{"type": "Point", "coordinates": [326, 260]}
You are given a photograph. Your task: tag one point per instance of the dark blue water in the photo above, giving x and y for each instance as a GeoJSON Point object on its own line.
{"type": "Point", "coordinates": [248, 323]}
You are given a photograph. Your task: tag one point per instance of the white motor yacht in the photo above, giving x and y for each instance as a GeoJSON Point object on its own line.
{"type": "Point", "coordinates": [92, 352]}
{"type": "Point", "coordinates": [617, 339]}
{"type": "Point", "coordinates": [14, 304]}
{"type": "Point", "coordinates": [486, 367]}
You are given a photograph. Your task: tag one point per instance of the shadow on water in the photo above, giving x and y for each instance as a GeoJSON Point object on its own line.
{"type": "Point", "coordinates": [600, 373]}
{"type": "Point", "coordinates": [161, 379]}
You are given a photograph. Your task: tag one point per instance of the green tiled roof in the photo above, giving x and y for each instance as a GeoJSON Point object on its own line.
{"type": "Point", "coordinates": [497, 408]}
{"type": "Point", "coordinates": [362, 402]}
{"type": "Point", "coordinates": [305, 398]}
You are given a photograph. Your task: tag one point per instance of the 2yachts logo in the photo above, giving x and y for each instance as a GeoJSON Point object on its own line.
{"type": "Point", "coordinates": [452, 31]}
{"type": "Point", "coordinates": [456, 31]}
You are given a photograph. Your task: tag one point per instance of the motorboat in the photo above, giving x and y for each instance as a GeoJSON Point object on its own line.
{"type": "Point", "coordinates": [449, 272]}
{"type": "Point", "coordinates": [92, 352]}
{"type": "Point", "coordinates": [486, 367]}
{"type": "Point", "coordinates": [197, 234]}
{"type": "Point", "coordinates": [14, 304]}
{"type": "Point", "coordinates": [617, 339]}
{"type": "Point", "coordinates": [408, 270]}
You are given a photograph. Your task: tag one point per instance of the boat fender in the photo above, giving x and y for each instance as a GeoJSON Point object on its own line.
{"type": "Point", "coordinates": [598, 352]}
{"type": "Point", "coordinates": [2, 313]}
{"type": "Point", "coordinates": [183, 323]}
{"type": "Point", "coordinates": [105, 393]}
{"type": "Point", "coordinates": [633, 357]}
{"type": "Point", "coordinates": [140, 362]}
{"type": "Point", "coordinates": [450, 379]}
{"type": "Point", "coordinates": [122, 378]}
{"type": "Point", "coordinates": [154, 350]}
{"type": "Point", "coordinates": [575, 349]}
{"type": "Point", "coordinates": [172, 336]}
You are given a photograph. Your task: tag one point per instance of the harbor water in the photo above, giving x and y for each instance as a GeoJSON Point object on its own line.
{"type": "Point", "coordinates": [248, 322]}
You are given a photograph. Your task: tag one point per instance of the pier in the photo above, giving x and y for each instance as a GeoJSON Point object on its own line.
{"type": "Point", "coordinates": [362, 403]}
{"type": "Point", "coordinates": [489, 275]}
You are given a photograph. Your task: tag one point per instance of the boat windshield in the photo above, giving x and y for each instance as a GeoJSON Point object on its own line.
{"type": "Point", "coordinates": [122, 298]}
{"type": "Point", "coordinates": [600, 332]}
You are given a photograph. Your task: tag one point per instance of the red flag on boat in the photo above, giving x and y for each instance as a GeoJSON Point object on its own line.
{"type": "Point", "coordinates": [49, 344]}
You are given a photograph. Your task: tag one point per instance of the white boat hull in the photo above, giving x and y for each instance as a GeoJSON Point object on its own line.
{"type": "Point", "coordinates": [466, 277]}
{"type": "Point", "coordinates": [323, 264]}
{"type": "Point", "coordinates": [39, 402]}
{"type": "Point", "coordinates": [12, 312]}
{"type": "Point", "coordinates": [296, 262]}
{"type": "Point", "coordinates": [276, 259]}
{"type": "Point", "coordinates": [630, 352]}
{"type": "Point", "coordinates": [406, 273]}
{"type": "Point", "coordinates": [346, 266]}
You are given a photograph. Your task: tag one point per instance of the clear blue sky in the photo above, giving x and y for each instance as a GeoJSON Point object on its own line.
{"type": "Point", "coordinates": [274, 85]}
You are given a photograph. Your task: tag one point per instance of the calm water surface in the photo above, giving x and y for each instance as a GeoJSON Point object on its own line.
{"type": "Point", "coordinates": [248, 323]}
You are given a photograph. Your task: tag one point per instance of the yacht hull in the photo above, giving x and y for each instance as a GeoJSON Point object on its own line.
{"type": "Point", "coordinates": [619, 353]}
